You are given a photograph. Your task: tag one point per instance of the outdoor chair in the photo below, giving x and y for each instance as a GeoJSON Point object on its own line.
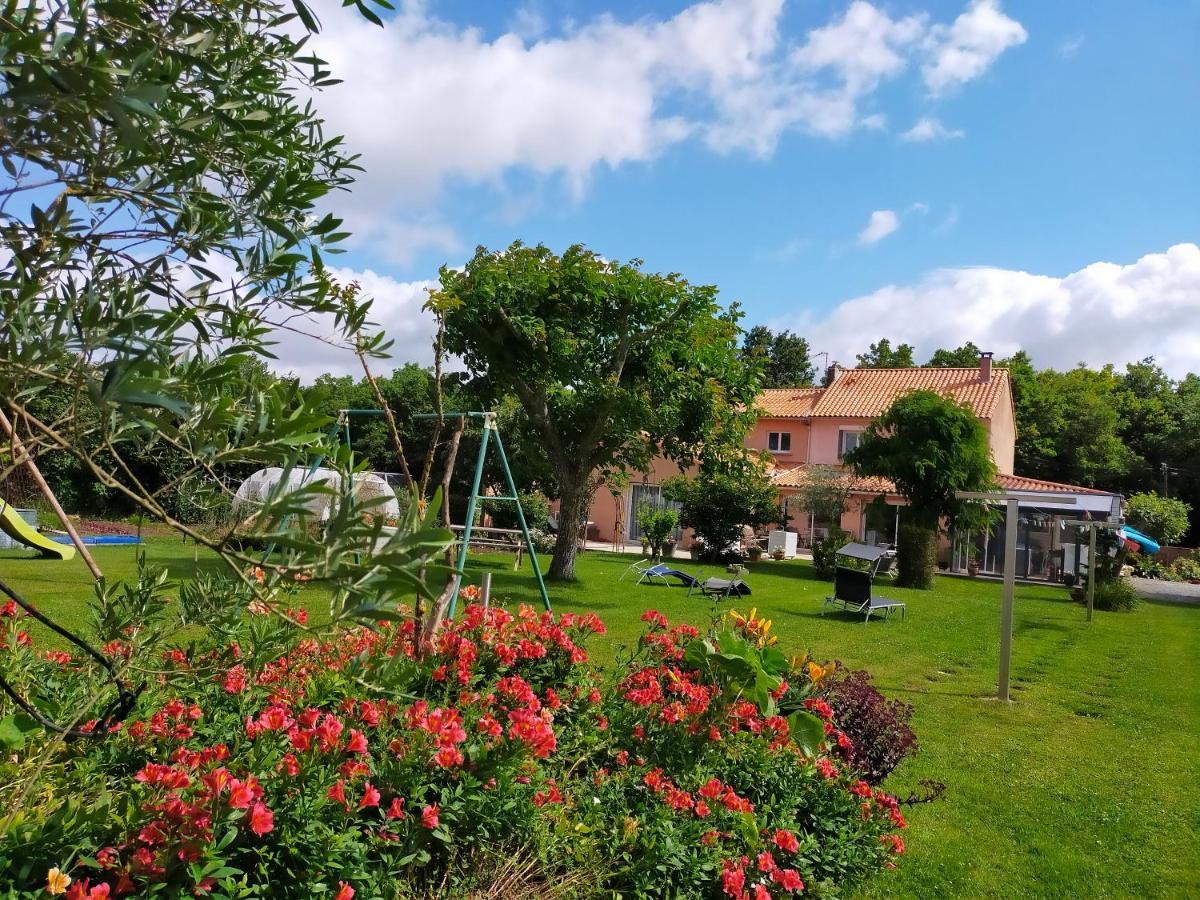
{"type": "Point", "coordinates": [663, 573]}
{"type": "Point", "coordinates": [639, 567]}
{"type": "Point", "coordinates": [885, 566]}
{"type": "Point", "coordinates": [852, 592]}
{"type": "Point", "coordinates": [720, 587]}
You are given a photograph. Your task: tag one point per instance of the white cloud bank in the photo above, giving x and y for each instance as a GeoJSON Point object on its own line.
{"type": "Point", "coordinates": [1105, 312]}
{"type": "Point", "coordinates": [309, 347]}
{"type": "Point", "coordinates": [428, 103]}
{"type": "Point", "coordinates": [882, 223]}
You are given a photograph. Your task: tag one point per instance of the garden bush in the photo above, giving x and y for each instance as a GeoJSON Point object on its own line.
{"type": "Point", "coordinates": [1186, 568]}
{"type": "Point", "coordinates": [1115, 595]}
{"type": "Point", "coordinates": [878, 727]}
{"type": "Point", "coordinates": [824, 552]}
{"type": "Point", "coordinates": [265, 759]}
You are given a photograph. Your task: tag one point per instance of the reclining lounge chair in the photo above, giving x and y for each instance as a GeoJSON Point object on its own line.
{"type": "Point", "coordinates": [852, 592]}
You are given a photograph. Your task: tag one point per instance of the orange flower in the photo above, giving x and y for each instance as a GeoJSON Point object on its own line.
{"type": "Point", "coordinates": [56, 881]}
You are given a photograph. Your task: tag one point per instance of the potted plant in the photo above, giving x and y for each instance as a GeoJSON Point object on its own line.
{"type": "Point", "coordinates": [972, 561]}
{"type": "Point", "coordinates": [778, 554]}
{"type": "Point", "coordinates": [696, 549]}
{"type": "Point", "coordinates": [754, 551]}
{"type": "Point", "coordinates": [658, 525]}
{"type": "Point", "coordinates": [669, 547]}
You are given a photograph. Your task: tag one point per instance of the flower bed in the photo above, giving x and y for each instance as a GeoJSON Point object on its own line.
{"type": "Point", "coordinates": [703, 764]}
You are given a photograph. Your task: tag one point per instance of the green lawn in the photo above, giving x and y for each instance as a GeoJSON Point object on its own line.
{"type": "Point", "coordinates": [1085, 786]}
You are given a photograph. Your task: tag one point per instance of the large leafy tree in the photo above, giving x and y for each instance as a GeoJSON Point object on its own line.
{"type": "Point", "coordinates": [612, 365]}
{"type": "Point", "coordinates": [930, 447]}
{"type": "Point", "coordinates": [1163, 518]}
{"type": "Point", "coordinates": [882, 355]}
{"type": "Point", "coordinates": [785, 357]}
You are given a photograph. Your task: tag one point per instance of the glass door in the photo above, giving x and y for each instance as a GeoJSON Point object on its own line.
{"type": "Point", "coordinates": [649, 494]}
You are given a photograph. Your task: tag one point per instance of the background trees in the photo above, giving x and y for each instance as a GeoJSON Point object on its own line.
{"type": "Point", "coordinates": [1161, 518]}
{"type": "Point", "coordinates": [611, 365]}
{"type": "Point", "coordinates": [881, 355]}
{"type": "Point", "coordinates": [784, 357]}
{"type": "Point", "coordinates": [930, 447]}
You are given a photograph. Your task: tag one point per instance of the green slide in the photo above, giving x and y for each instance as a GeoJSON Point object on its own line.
{"type": "Point", "coordinates": [20, 530]}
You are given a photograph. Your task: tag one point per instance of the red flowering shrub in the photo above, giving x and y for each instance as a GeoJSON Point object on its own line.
{"type": "Point", "coordinates": [353, 761]}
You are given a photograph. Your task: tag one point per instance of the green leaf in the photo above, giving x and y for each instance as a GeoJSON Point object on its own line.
{"type": "Point", "coordinates": [11, 737]}
{"type": "Point", "coordinates": [807, 730]}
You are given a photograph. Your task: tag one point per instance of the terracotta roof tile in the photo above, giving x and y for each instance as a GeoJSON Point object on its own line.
{"type": "Point", "coordinates": [866, 393]}
{"type": "Point", "coordinates": [1021, 483]}
{"type": "Point", "coordinates": [798, 476]}
{"type": "Point", "coordinates": [788, 402]}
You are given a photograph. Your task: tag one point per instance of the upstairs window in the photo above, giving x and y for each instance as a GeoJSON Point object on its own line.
{"type": "Point", "coordinates": [779, 441]}
{"type": "Point", "coordinates": [847, 441]}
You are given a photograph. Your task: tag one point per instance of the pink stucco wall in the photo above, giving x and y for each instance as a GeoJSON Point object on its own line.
{"type": "Point", "coordinates": [798, 428]}
{"type": "Point", "coordinates": [1002, 432]}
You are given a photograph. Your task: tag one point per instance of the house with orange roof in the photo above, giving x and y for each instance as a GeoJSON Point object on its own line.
{"type": "Point", "coordinates": [810, 429]}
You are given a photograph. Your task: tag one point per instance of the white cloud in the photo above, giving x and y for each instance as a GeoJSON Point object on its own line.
{"type": "Point", "coordinates": [1069, 48]}
{"type": "Point", "coordinates": [965, 49]}
{"type": "Point", "coordinates": [309, 346]}
{"type": "Point", "coordinates": [882, 223]}
{"type": "Point", "coordinates": [429, 103]}
{"type": "Point", "coordinates": [929, 128]}
{"type": "Point", "coordinates": [1105, 312]}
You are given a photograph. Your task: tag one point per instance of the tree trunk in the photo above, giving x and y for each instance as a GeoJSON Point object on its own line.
{"type": "Point", "coordinates": [572, 506]}
{"type": "Point", "coordinates": [917, 550]}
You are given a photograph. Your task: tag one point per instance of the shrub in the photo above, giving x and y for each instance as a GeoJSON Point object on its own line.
{"type": "Point", "coordinates": [657, 523]}
{"type": "Point", "coordinates": [721, 500]}
{"type": "Point", "coordinates": [1163, 518]}
{"type": "Point", "coordinates": [1116, 595]}
{"type": "Point", "coordinates": [1186, 568]}
{"type": "Point", "coordinates": [258, 758]}
{"type": "Point", "coordinates": [878, 727]}
{"type": "Point", "coordinates": [534, 504]}
{"type": "Point", "coordinates": [824, 552]}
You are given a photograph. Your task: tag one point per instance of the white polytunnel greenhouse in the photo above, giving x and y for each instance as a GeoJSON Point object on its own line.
{"type": "Point", "coordinates": [368, 486]}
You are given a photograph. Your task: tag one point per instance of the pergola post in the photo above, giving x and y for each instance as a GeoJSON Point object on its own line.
{"type": "Point", "coordinates": [1013, 503]}
{"type": "Point", "coordinates": [1091, 592]}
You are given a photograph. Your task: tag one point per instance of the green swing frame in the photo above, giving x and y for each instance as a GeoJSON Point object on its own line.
{"type": "Point", "coordinates": [490, 433]}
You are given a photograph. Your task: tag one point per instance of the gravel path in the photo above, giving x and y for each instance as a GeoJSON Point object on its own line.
{"type": "Point", "coordinates": [1168, 591]}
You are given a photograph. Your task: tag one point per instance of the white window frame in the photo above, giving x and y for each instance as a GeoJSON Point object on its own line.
{"type": "Point", "coordinates": [841, 448]}
{"type": "Point", "coordinates": [779, 439]}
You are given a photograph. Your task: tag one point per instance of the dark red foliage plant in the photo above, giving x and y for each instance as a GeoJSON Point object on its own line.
{"type": "Point", "coordinates": [878, 727]}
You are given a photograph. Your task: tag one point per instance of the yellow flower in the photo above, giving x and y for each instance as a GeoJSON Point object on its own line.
{"type": "Point", "coordinates": [56, 881]}
{"type": "Point", "coordinates": [815, 672]}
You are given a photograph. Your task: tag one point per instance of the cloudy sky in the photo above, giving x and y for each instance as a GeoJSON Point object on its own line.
{"type": "Point", "coordinates": [1019, 174]}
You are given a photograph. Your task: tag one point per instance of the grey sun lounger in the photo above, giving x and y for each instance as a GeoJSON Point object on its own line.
{"type": "Point", "coordinates": [852, 592]}
{"type": "Point", "coordinates": [721, 587]}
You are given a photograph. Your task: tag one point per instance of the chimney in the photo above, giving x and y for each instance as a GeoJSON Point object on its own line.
{"type": "Point", "coordinates": [832, 373]}
{"type": "Point", "coordinates": [985, 366]}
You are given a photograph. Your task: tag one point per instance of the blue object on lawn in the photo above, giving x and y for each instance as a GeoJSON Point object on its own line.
{"type": "Point", "coordinates": [99, 539]}
{"type": "Point", "coordinates": [1148, 544]}
{"type": "Point", "coordinates": [665, 572]}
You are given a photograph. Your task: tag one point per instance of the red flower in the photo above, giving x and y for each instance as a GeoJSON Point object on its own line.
{"type": "Point", "coordinates": [262, 820]}
{"type": "Point", "coordinates": [345, 892]}
{"type": "Point", "coordinates": [8, 610]}
{"type": "Point", "coordinates": [338, 792]}
{"type": "Point", "coordinates": [396, 810]}
{"type": "Point", "coordinates": [766, 862]}
{"type": "Point", "coordinates": [788, 879]}
{"type": "Point", "coordinates": [785, 840]}
{"type": "Point", "coordinates": [429, 816]}
{"type": "Point", "coordinates": [357, 742]}
{"type": "Point", "coordinates": [712, 789]}
{"type": "Point", "coordinates": [370, 797]}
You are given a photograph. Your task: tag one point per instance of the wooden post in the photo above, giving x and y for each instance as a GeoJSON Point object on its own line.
{"type": "Point", "coordinates": [1010, 583]}
{"type": "Point", "coordinates": [19, 450]}
{"type": "Point", "coordinates": [1091, 592]}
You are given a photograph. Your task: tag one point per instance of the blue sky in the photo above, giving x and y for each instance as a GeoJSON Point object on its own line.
{"type": "Point", "coordinates": [747, 143]}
